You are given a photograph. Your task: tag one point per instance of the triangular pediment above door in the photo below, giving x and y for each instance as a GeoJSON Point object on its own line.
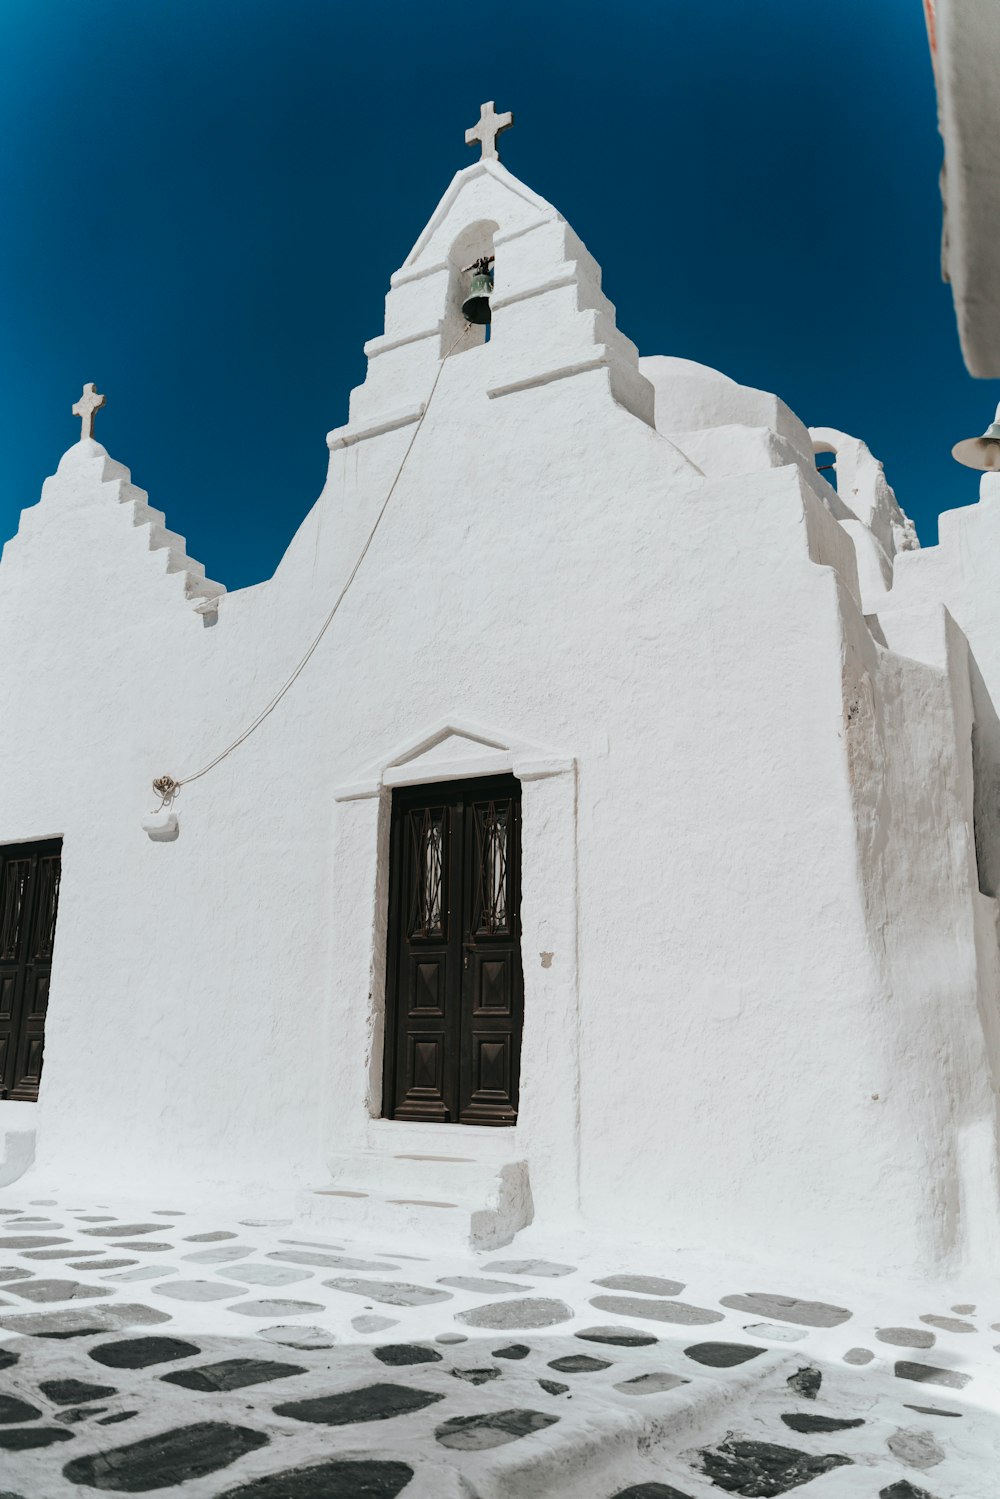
{"type": "Point", "coordinates": [453, 749]}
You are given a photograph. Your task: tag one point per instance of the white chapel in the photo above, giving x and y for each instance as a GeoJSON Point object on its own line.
{"type": "Point", "coordinates": [594, 820]}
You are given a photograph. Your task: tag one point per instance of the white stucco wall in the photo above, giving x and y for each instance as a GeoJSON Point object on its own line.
{"type": "Point", "coordinates": [625, 581]}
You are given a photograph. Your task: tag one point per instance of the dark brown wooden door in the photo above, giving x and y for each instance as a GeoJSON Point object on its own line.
{"type": "Point", "coordinates": [455, 988]}
{"type": "Point", "coordinates": [29, 899]}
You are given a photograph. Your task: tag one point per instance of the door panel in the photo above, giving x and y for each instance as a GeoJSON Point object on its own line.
{"type": "Point", "coordinates": [454, 987]}
{"type": "Point", "coordinates": [29, 901]}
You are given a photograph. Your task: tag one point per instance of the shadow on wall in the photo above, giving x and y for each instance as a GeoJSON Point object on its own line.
{"type": "Point", "coordinates": [17, 1149]}
{"type": "Point", "coordinates": [985, 782]}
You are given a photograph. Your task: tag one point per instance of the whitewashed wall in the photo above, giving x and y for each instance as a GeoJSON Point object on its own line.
{"type": "Point", "coordinates": [748, 814]}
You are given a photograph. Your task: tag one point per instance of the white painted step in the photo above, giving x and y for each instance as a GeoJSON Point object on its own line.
{"type": "Point", "coordinates": [450, 1201]}
{"type": "Point", "coordinates": [17, 1139]}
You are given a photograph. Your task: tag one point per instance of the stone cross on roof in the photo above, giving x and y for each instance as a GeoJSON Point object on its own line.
{"type": "Point", "coordinates": [89, 402]}
{"type": "Point", "coordinates": [489, 127]}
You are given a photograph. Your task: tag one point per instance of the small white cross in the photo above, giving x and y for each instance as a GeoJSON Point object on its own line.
{"type": "Point", "coordinates": [89, 402]}
{"type": "Point", "coordinates": [489, 127]}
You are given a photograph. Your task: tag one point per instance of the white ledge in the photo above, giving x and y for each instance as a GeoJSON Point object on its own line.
{"type": "Point", "coordinates": [541, 769]}
{"type": "Point", "coordinates": [560, 279]}
{"type": "Point", "coordinates": [357, 792]}
{"type": "Point", "coordinates": [343, 437]}
{"type": "Point", "coordinates": [545, 377]}
{"type": "Point", "coordinates": [506, 237]}
{"type": "Point", "coordinates": [384, 345]}
{"type": "Point", "coordinates": [400, 278]}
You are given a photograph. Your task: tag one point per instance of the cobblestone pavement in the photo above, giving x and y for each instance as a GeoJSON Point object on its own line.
{"type": "Point", "coordinates": [196, 1354]}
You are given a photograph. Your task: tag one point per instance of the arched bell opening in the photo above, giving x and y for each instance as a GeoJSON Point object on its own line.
{"type": "Point", "coordinates": [468, 316]}
{"type": "Point", "coordinates": [826, 463]}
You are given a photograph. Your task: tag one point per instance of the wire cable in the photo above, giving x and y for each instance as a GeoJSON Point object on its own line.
{"type": "Point", "coordinates": [167, 786]}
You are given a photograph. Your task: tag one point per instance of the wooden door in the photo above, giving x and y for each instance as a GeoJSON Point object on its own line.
{"type": "Point", "coordinates": [29, 899]}
{"type": "Point", "coordinates": [454, 982]}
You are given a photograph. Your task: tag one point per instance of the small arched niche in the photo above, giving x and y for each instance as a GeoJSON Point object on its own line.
{"type": "Point", "coordinates": [473, 243]}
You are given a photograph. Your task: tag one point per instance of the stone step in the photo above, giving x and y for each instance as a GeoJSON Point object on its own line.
{"type": "Point", "coordinates": [439, 1173]}
{"type": "Point", "coordinates": [446, 1201]}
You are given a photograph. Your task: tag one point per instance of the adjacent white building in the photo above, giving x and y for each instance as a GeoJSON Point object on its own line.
{"type": "Point", "coordinates": [625, 853]}
{"type": "Point", "coordinates": [964, 40]}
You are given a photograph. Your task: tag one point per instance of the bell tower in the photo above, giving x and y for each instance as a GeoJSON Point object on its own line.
{"type": "Point", "coordinates": [493, 252]}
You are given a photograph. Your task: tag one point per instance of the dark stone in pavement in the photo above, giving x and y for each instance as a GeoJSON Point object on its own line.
{"type": "Point", "coordinates": [761, 1470]}
{"type": "Point", "coordinates": [805, 1382]}
{"type": "Point", "coordinates": [231, 1374]}
{"type": "Point", "coordinates": [948, 1324]}
{"type": "Point", "coordinates": [620, 1337]}
{"type": "Point", "coordinates": [931, 1374]}
{"type": "Point", "coordinates": [656, 1310]}
{"type": "Point", "coordinates": [30, 1241]}
{"type": "Point", "coordinates": [99, 1264]}
{"type": "Point", "coordinates": [807, 1422]}
{"type": "Point", "coordinates": [21, 1438]}
{"type": "Point", "coordinates": [722, 1355]}
{"type": "Point", "coordinates": [78, 1413]}
{"type": "Point", "coordinates": [74, 1391]}
{"type": "Point", "coordinates": [650, 1285]}
{"type": "Point", "coordinates": [650, 1491]}
{"type": "Point", "coordinates": [336, 1479]}
{"type": "Point", "coordinates": [114, 1317]}
{"type": "Point", "coordinates": [906, 1337]}
{"type": "Point", "coordinates": [170, 1458]}
{"type": "Point", "coordinates": [406, 1353]}
{"type": "Point", "coordinates": [654, 1383]}
{"type": "Point", "coordinates": [138, 1353]}
{"type": "Point", "coordinates": [477, 1376]}
{"type": "Point", "coordinates": [146, 1245]}
{"type": "Point", "coordinates": [491, 1429]}
{"type": "Point", "coordinates": [124, 1230]}
{"type": "Point", "coordinates": [13, 1410]}
{"type": "Point", "coordinates": [58, 1290]}
{"type": "Point", "coordinates": [375, 1402]}
{"type": "Point", "coordinates": [788, 1309]}
{"type": "Point", "coordinates": [526, 1311]}
{"type": "Point", "coordinates": [579, 1363]}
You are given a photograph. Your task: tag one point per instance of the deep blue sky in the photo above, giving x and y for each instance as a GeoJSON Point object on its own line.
{"type": "Point", "coordinates": [203, 201]}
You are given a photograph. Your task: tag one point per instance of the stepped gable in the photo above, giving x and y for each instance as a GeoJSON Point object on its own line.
{"type": "Point", "coordinates": [87, 477]}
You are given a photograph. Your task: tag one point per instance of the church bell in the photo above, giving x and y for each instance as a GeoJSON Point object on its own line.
{"type": "Point", "coordinates": [981, 452]}
{"type": "Point", "coordinates": [476, 307]}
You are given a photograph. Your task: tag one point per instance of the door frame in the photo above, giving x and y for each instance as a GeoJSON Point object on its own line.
{"type": "Point", "coordinates": [547, 1130]}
